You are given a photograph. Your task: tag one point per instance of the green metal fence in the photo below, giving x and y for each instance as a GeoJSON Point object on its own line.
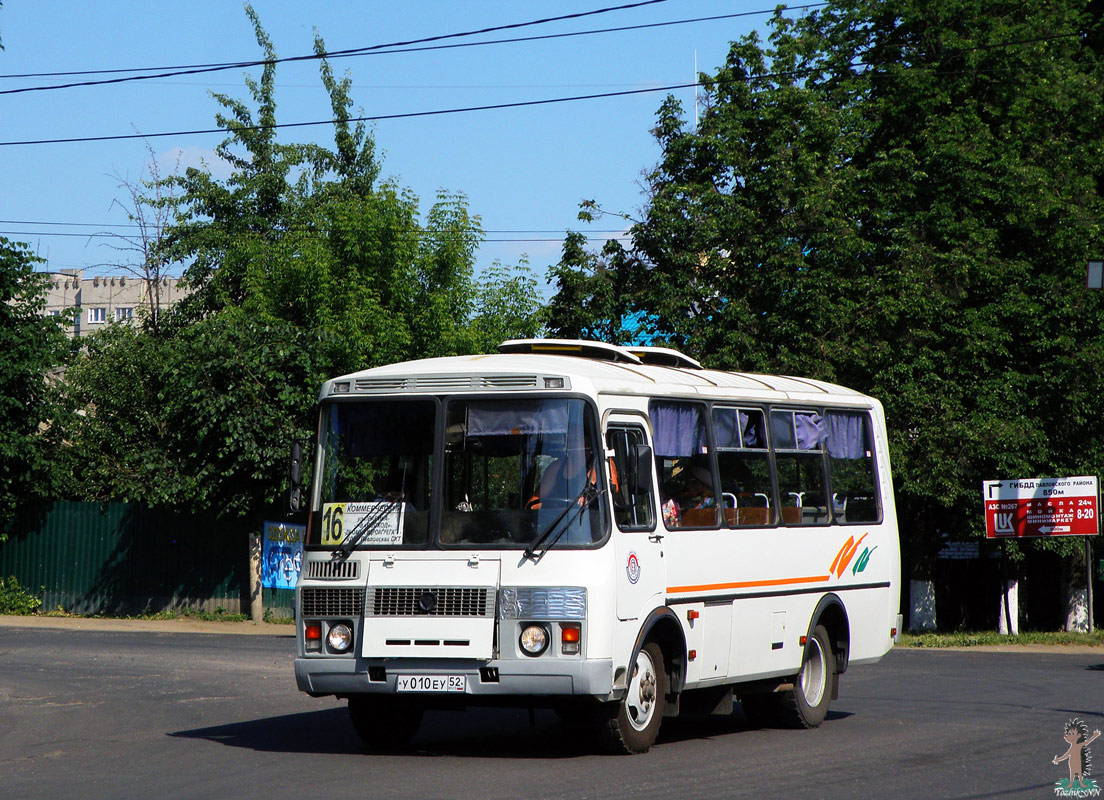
{"type": "Point", "coordinates": [115, 558]}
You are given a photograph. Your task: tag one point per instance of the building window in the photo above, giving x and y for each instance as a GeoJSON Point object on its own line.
{"type": "Point", "coordinates": [123, 314]}
{"type": "Point", "coordinates": [97, 315]}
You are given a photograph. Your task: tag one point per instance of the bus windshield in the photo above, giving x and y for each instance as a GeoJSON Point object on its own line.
{"type": "Point", "coordinates": [516, 473]}
{"type": "Point", "coordinates": [377, 465]}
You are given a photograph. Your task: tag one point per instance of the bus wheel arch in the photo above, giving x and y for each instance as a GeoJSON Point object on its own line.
{"type": "Point", "coordinates": [832, 615]}
{"type": "Point", "coordinates": [663, 628]}
{"type": "Point", "coordinates": [653, 678]}
{"type": "Point", "coordinates": [823, 659]}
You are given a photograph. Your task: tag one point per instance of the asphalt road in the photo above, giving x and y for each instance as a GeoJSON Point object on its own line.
{"type": "Point", "coordinates": [141, 714]}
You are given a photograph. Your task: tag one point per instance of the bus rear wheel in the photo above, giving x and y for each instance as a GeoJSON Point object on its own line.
{"type": "Point", "coordinates": [632, 724]}
{"type": "Point", "coordinates": [806, 705]}
{"type": "Point", "coordinates": [382, 723]}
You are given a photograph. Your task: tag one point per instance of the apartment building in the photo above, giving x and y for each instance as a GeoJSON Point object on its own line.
{"type": "Point", "coordinates": [107, 298]}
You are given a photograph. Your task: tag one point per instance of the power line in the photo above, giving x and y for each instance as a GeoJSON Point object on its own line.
{"type": "Point", "coordinates": [498, 106]}
{"type": "Point", "coordinates": [135, 226]}
{"type": "Point", "coordinates": [202, 68]}
{"type": "Point", "coordinates": [402, 47]}
{"type": "Point", "coordinates": [420, 233]}
{"type": "Point", "coordinates": [368, 118]}
{"type": "Point", "coordinates": [459, 110]}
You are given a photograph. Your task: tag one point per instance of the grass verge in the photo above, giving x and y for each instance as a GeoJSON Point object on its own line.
{"type": "Point", "coordinates": [991, 638]}
{"type": "Point", "coordinates": [218, 615]}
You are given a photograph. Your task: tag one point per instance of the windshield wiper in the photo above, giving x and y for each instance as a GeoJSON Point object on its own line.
{"type": "Point", "coordinates": [582, 501]}
{"type": "Point", "coordinates": [370, 522]}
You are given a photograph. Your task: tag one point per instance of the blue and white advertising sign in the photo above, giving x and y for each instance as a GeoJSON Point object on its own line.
{"type": "Point", "coordinates": [282, 557]}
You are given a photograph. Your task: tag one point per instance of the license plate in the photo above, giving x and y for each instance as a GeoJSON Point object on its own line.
{"type": "Point", "coordinates": [431, 683]}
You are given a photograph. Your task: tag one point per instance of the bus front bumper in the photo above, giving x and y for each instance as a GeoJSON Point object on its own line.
{"type": "Point", "coordinates": [499, 679]}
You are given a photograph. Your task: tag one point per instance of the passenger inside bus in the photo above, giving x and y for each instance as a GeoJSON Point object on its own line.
{"type": "Point", "coordinates": [690, 500]}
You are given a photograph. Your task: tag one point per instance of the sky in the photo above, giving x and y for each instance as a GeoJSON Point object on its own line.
{"type": "Point", "coordinates": [524, 170]}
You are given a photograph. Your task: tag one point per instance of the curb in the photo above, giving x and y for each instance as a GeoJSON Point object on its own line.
{"type": "Point", "coordinates": [182, 625]}
{"type": "Point", "coordinates": [1060, 649]}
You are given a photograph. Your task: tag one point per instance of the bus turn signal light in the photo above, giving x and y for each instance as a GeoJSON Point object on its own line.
{"type": "Point", "coordinates": [312, 636]}
{"type": "Point", "coordinates": [571, 637]}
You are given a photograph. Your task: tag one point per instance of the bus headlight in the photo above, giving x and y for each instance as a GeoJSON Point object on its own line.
{"type": "Point", "coordinates": [340, 637]}
{"type": "Point", "coordinates": [534, 640]}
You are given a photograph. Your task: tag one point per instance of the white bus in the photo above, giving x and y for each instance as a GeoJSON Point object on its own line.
{"type": "Point", "coordinates": [615, 533]}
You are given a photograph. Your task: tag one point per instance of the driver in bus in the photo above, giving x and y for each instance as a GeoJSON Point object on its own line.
{"type": "Point", "coordinates": [561, 480]}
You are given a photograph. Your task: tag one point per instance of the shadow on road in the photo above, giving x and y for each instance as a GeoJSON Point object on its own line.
{"type": "Point", "coordinates": [476, 732]}
{"type": "Point", "coordinates": [327, 731]}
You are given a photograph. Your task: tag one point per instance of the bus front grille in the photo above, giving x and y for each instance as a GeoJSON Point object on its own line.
{"type": "Point", "coordinates": [333, 570]}
{"type": "Point", "coordinates": [430, 601]}
{"type": "Point", "coordinates": [331, 602]}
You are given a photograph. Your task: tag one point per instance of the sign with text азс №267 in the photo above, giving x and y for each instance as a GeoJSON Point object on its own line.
{"type": "Point", "coordinates": [1041, 507]}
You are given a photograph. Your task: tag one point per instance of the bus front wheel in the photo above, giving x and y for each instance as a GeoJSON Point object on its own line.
{"type": "Point", "coordinates": [632, 724]}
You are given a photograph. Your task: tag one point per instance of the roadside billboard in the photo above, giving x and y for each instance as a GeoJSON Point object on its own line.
{"type": "Point", "coordinates": [282, 554]}
{"type": "Point", "coordinates": [1026, 507]}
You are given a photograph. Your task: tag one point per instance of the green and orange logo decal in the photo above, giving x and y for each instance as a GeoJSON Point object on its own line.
{"type": "Point", "coordinates": [847, 553]}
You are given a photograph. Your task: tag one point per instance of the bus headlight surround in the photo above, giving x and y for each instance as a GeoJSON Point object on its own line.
{"type": "Point", "coordinates": [340, 637]}
{"type": "Point", "coordinates": [534, 639]}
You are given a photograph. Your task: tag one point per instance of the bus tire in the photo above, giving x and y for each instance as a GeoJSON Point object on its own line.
{"type": "Point", "coordinates": [806, 705]}
{"type": "Point", "coordinates": [632, 724]}
{"type": "Point", "coordinates": [382, 723]}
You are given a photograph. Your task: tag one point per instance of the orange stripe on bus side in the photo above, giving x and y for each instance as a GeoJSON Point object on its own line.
{"type": "Point", "coordinates": [709, 587]}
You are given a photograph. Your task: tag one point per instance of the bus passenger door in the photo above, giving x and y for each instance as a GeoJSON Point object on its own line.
{"type": "Point", "coordinates": [641, 576]}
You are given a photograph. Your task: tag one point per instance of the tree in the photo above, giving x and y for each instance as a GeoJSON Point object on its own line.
{"type": "Point", "coordinates": [506, 307]}
{"type": "Point", "coordinates": [140, 253]}
{"type": "Point", "coordinates": [901, 198]}
{"type": "Point", "coordinates": [300, 265]}
{"type": "Point", "coordinates": [32, 346]}
{"type": "Point", "coordinates": [305, 234]}
{"type": "Point", "coordinates": [593, 297]}
{"type": "Point", "coordinates": [199, 420]}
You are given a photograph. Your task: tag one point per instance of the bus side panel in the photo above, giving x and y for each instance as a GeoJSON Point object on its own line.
{"type": "Point", "coordinates": [870, 631]}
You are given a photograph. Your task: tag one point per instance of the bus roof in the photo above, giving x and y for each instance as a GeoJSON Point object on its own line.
{"type": "Point", "coordinates": [552, 364]}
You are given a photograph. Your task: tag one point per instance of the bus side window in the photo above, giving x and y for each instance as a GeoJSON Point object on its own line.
{"type": "Point", "coordinates": [851, 467]}
{"type": "Point", "coordinates": [684, 464]}
{"type": "Point", "coordinates": [743, 466]}
{"type": "Point", "coordinates": [633, 506]}
{"type": "Point", "coordinates": [797, 437]}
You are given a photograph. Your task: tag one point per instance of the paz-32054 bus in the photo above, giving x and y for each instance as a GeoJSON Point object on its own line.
{"type": "Point", "coordinates": [615, 533]}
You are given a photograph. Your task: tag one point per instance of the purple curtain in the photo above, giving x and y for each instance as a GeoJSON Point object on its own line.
{"type": "Point", "coordinates": [846, 435]}
{"type": "Point", "coordinates": [679, 429]}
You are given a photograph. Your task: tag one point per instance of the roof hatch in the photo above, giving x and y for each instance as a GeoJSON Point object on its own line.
{"type": "Point", "coordinates": [600, 351]}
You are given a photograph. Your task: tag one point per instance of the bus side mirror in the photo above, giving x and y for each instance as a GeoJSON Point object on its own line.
{"type": "Point", "coordinates": [640, 469]}
{"type": "Point", "coordinates": [295, 477]}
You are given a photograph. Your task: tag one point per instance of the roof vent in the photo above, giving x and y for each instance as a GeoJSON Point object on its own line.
{"type": "Point", "coordinates": [599, 351]}
{"type": "Point", "coordinates": [664, 357]}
